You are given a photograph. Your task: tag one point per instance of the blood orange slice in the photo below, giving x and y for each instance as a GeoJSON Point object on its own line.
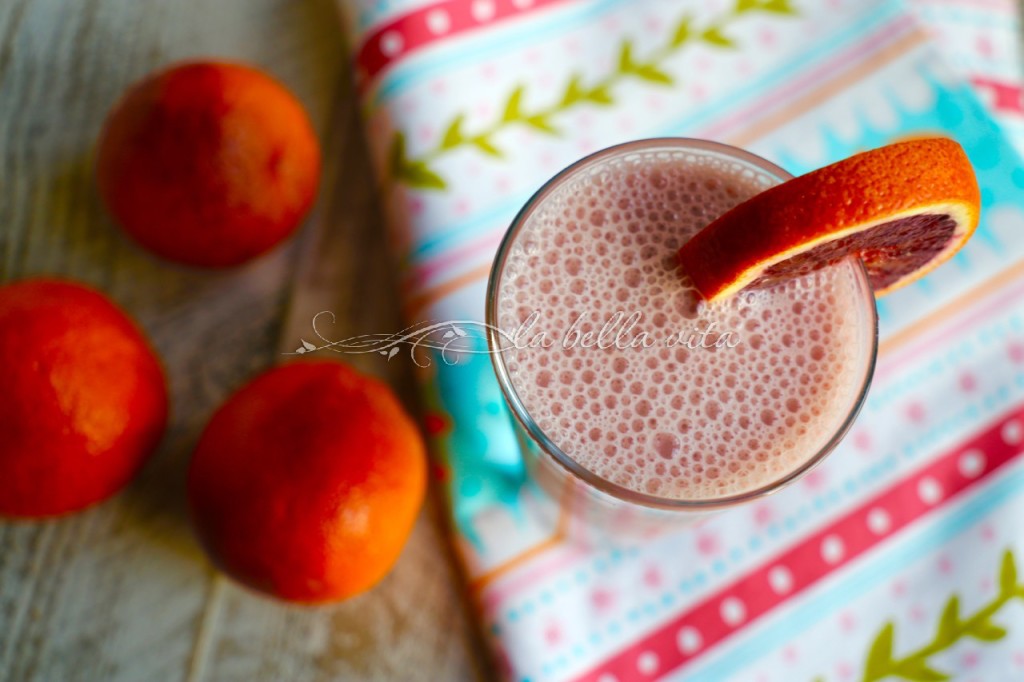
{"type": "Point", "coordinates": [903, 209]}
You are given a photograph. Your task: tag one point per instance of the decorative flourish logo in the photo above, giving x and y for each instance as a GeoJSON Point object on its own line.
{"type": "Point", "coordinates": [453, 339]}
{"type": "Point", "coordinates": [448, 340]}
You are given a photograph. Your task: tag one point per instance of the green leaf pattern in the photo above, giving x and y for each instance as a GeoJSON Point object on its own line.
{"type": "Point", "coordinates": [412, 172]}
{"type": "Point", "coordinates": [953, 626]}
{"type": "Point", "coordinates": [418, 172]}
{"type": "Point", "coordinates": [453, 136]}
{"type": "Point", "coordinates": [714, 36]}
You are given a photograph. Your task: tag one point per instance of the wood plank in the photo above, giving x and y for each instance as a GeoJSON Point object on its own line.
{"type": "Point", "coordinates": [121, 592]}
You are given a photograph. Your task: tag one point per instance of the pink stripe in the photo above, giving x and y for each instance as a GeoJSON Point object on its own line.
{"type": "Point", "coordinates": [400, 37]}
{"type": "Point", "coordinates": [487, 242]}
{"type": "Point", "coordinates": [1005, 299]}
{"type": "Point", "coordinates": [794, 571]}
{"type": "Point", "coordinates": [1004, 6]}
{"type": "Point", "coordinates": [1007, 97]}
{"type": "Point", "coordinates": [497, 593]}
{"type": "Point", "coordinates": [825, 71]}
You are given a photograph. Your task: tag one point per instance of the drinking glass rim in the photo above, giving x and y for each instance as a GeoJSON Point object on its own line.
{"type": "Point", "coordinates": [522, 415]}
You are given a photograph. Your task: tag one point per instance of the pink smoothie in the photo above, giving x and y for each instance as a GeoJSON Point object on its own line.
{"type": "Point", "coordinates": [691, 402]}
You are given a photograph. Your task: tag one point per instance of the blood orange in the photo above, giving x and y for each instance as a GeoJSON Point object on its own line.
{"type": "Point", "coordinates": [208, 163]}
{"type": "Point", "coordinates": [903, 209]}
{"type": "Point", "coordinates": [306, 483]}
{"type": "Point", "coordinates": [84, 401]}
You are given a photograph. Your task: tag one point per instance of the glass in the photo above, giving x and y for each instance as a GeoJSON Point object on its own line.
{"type": "Point", "coordinates": [604, 505]}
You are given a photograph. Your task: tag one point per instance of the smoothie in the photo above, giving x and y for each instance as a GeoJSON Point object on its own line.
{"type": "Point", "coordinates": [630, 375]}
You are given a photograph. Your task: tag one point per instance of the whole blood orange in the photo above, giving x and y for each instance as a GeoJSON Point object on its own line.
{"type": "Point", "coordinates": [306, 482]}
{"type": "Point", "coordinates": [84, 400]}
{"type": "Point", "coordinates": [902, 209]}
{"type": "Point", "coordinates": [208, 163]}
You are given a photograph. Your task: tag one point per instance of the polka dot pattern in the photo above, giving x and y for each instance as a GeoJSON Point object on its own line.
{"type": "Point", "coordinates": [879, 521]}
{"type": "Point", "coordinates": [929, 490]}
{"type": "Point", "coordinates": [483, 10]}
{"type": "Point", "coordinates": [391, 43]}
{"type": "Point", "coordinates": [832, 549]}
{"type": "Point", "coordinates": [971, 463]}
{"type": "Point", "coordinates": [780, 579]}
{"type": "Point", "coordinates": [733, 611]}
{"type": "Point", "coordinates": [689, 640]}
{"type": "Point", "coordinates": [827, 550]}
{"type": "Point", "coordinates": [647, 663]}
{"type": "Point", "coordinates": [1013, 432]}
{"type": "Point", "coordinates": [438, 22]}
{"type": "Point", "coordinates": [410, 32]}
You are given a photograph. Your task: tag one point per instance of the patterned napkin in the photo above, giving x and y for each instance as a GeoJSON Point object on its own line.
{"type": "Point", "coordinates": [901, 557]}
{"type": "Point", "coordinates": [981, 41]}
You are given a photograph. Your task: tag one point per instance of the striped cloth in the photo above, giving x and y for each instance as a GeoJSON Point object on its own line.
{"type": "Point", "coordinates": [896, 559]}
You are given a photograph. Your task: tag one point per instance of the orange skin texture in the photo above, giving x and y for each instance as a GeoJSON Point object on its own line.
{"type": "Point", "coordinates": [84, 400]}
{"type": "Point", "coordinates": [306, 483]}
{"type": "Point", "coordinates": [208, 164]}
{"type": "Point", "coordinates": [864, 188]}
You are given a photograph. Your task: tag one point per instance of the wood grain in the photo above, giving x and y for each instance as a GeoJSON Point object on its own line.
{"type": "Point", "coordinates": [121, 592]}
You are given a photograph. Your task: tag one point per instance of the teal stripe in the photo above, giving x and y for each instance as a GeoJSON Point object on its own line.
{"type": "Point", "coordinates": [504, 211]}
{"type": "Point", "coordinates": [487, 44]}
{"type": "Point", "coordinates": [974, 18]}
{"type": "Point", "coordinates": [865, 574]}
{"type": "Point", "coordinates": [500, 214]}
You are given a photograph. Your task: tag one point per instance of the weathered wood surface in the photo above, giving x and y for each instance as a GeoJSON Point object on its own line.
{"type": "Point", "coordinates": [121, 592]}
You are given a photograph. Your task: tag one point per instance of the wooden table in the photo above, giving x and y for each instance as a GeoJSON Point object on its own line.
{"type": "Point", "coordinates": [122, 592]}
